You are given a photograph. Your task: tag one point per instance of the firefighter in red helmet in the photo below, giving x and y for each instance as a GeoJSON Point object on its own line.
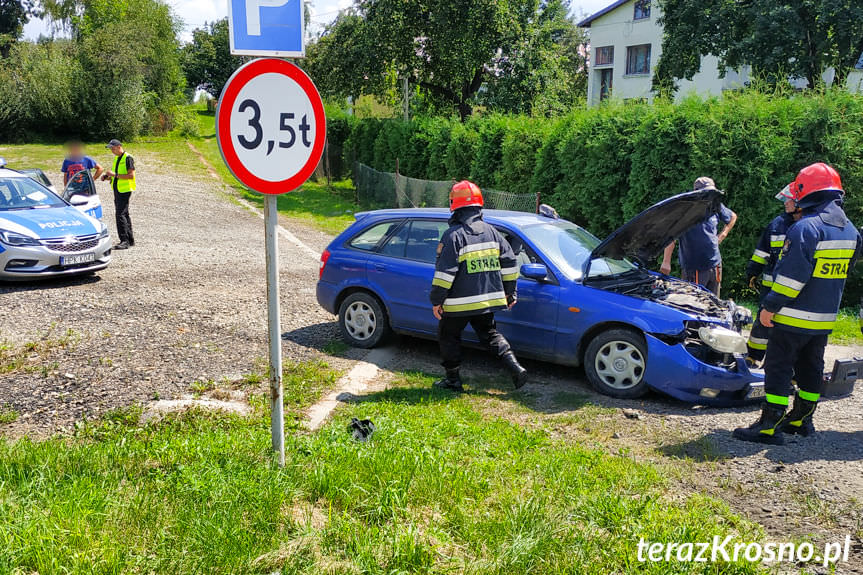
{"type": "Point", "coordinates": [802, 304]}
{"type": "Point", "coordinates": [475, 276]}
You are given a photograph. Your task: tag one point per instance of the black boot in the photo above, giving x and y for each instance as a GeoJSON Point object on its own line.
{"type": "Point", "coordinates": [519, 374]}
{"type": "Point", "coordinates": [799, 420]}
{"type": "Point", "coordinates": [768, 427]}
{"type": "Point", "coordinates": [452, 381]}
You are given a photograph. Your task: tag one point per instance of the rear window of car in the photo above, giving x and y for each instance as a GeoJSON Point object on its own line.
{"type": "Point", "coordinates": [369, 239]}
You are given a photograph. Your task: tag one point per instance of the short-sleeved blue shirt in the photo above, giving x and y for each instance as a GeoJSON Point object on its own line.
{"type": "Point", "coordinates": [72, 166]}
{"type": "Point", "coordinates": [699, 246]}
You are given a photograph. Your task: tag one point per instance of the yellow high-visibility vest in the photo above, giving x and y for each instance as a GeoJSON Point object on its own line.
{"type": "Point", "coordinates": [123, 186]}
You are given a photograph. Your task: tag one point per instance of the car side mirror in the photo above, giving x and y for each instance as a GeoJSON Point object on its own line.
{"type": "Point", "coordinates": [534, 271]}
{"type": "Point", "coordinates": [78, 200]}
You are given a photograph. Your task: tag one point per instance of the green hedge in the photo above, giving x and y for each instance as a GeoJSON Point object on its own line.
{"type": "Point", "coordinates": [599, 167]}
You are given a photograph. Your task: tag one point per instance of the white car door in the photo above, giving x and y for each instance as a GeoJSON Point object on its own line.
{"type": "Point", "coordinates": [81, 193]}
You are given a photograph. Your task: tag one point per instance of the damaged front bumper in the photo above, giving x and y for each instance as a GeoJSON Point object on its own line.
{"type": "Point", "coordinates": [673, 370]}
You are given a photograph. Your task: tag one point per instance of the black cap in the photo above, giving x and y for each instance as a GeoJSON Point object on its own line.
{"type": "Point", "coordinates": [112, 143]}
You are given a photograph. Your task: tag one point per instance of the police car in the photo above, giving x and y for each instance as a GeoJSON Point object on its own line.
{"type": "Point", "coordinates": [43, 234]}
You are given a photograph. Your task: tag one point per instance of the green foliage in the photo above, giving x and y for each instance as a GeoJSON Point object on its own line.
{"type": "Point", "coordinates": [119, 75]}
{"type": "Point", "coordinates": [14, 14]}
{"type": "Point", "coordinates": [207, 60]}
{"type": "Point", "coordinates": [600, 167]}
{"type": "Point", "coordinates": [777, 39]}
{"type": "Point", "coordinates": [529, 54]}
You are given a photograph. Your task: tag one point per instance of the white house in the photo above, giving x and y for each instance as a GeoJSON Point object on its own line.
{"type": "Point", "coordinates": [625, 44]}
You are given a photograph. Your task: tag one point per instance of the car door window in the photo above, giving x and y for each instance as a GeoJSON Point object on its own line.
{"type": "Point", "coordinates": [523, 253]}
{"type": "Point", "coordinates": [80, 184]}
{"type": "Point", "coordinates": [395, 245]}
{"type": "Point", "coordinates": [423, 239]}
{"type": "Point", "coordinates": [369, 239]}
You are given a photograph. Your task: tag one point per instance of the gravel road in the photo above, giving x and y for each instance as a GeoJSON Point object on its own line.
{"type": "Point", "coordinates": [186, 304]}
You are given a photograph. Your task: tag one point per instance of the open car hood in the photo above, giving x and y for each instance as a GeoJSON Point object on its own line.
{"type": "Point", "coordinates": [646, 235]}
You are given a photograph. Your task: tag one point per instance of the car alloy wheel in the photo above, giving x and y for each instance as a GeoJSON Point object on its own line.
{"type": "Point", "coordinates": [620, 365]}
{"type": "Point", "coordinates": [615, 362]}
{"type": "Point", "coordinates": [363, 320]}
{"type": "Point", "coordinates": [360, 320]}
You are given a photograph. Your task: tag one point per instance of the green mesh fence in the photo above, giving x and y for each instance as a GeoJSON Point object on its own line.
{"type": "Point", "coordinates": [377, 190]}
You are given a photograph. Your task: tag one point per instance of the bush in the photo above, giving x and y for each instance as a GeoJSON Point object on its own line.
{"type": "Point", "coordinates": [600, 167]}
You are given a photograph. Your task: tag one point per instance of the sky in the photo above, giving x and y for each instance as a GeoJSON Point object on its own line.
{"type": "Point", "coordinates": [195, 13]}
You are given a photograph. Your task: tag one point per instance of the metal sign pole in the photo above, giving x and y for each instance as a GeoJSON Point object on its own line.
{"type": "Point", "coordinates": [277, 406]}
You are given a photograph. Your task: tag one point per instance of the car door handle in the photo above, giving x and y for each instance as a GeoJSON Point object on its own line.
{"type": "Point", "coordinates": [380, 267]}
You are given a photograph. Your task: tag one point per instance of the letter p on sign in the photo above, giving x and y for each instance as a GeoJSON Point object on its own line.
{"type": "Point", "coordinates": [267, 28]}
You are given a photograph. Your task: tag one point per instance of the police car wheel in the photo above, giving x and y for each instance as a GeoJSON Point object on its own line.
{"type": "Point", "coordinates": [615, 361]}
{"type": "Point", "coordinates": [363, 320]}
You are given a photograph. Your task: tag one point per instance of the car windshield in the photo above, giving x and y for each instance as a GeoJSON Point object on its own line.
{"type": "Point", "coordinates": [569, 246]}
{"type": "Point", "coordinates": [23, 194]}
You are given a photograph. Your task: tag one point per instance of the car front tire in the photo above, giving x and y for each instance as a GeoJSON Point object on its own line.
{"type": "Point", "coordinates": [615, 362]}
{"type": "Point", "coordinates": [363, 320]}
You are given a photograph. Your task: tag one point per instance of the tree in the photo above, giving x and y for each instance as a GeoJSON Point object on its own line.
{"type": "Point", "coordinates": [448, 48]}
{"type": "Point", "coordinates": [207, 59]}
{"type": "Point", "coordinates": [14, 14]}
{"type": "Point", "coordinates": [545, 72]}
{"type": "Point", "coordinates": [777, 39]}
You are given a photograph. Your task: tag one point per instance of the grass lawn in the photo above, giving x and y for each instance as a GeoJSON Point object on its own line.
{"type": "Point", "coordinates": [328, 208]}
{"type": "Point", "coordinates": [443, 487]}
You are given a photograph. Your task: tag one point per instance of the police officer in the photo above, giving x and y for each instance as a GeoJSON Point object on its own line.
{"type": "Point", "coordinates": [475, 276]}
{"type": "Point", "coordinates": [762, 263]}
{"type": "Point", "coordinates": [123, 183]}
{"type": "Point", "coordinates": [802, 304]}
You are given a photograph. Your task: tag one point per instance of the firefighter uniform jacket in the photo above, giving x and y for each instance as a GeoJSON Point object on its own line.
{"type": "Point", "coordinates": [476, 268]}
{"type": "Point", "coordinates": [810, 274]}
{"type": "Point", "coordinates": [768, 249]}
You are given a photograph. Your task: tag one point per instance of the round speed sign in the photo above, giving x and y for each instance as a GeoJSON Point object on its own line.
{"type": "Point", "coordinates": [270, 126]}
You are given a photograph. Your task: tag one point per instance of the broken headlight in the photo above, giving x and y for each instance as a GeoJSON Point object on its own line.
{"type": "Point", "coordinates": [722, 339]}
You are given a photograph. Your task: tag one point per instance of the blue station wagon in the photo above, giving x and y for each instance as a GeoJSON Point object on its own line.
{"type": "Point", "coordinates": [581, 301]}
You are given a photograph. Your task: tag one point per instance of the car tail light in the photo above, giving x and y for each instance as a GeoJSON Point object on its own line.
{"type": "Point", "coordinates": [324, 257]}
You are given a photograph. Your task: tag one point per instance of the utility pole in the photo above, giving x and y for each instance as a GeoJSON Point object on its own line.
{"type": "Point", "coordinates": [406, 99]}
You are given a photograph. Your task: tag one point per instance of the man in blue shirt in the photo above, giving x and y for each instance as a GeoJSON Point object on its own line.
{"type": "Point", "coordinates": [700, 260]}
{"type": "Point", "coordinates": [76, 161]}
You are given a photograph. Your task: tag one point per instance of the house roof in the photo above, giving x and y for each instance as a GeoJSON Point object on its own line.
{"type": "Point", "coordinates": [586, 22]}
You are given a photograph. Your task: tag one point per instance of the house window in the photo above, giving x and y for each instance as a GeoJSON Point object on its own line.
{"type": "Point", "coordinates": [638, 60]}
{"type": "Point", "coordinates": [605, 56]}
{"type": "Point", "coordinates": [642, 10]}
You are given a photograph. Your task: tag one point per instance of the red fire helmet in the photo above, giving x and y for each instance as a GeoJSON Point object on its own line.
{"type": "Point", "coordinates": [463, 195]}
{"type": "Point", "coordinates": [815, 178]}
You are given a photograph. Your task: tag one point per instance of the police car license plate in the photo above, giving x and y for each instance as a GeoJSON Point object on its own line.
{"type": "Point", "coordinates": [78, 259]}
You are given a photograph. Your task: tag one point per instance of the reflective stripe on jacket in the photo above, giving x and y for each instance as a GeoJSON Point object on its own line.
{"type": "Point", "coordinates": [476, 268]}
{"type": "Point", "coordinates": [810, 274]}
{"type": "Point", "coordinates": [769, 247]}
{"type": "Point", "coordinates": [124, 185]}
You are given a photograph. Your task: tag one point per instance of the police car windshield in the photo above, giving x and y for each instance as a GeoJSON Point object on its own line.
{"type": "Point", "coordinates": [569, 246]}
{"type": "Point", "coordinates": [22, 193]}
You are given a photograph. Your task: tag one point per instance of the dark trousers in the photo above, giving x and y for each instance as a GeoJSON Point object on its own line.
{"type": "Point", "coordinates": [710, 279]}
{"type": "Point", "coordinates": [758, 338]}
{"type": "Point", "coordinates": [124, 222]}
{"type": "Point", "coordinates": [760, 333]}
{"type": "Point", "coordinates": [794, 355]}
{"type": "Point", "coordinates": [449, 337]}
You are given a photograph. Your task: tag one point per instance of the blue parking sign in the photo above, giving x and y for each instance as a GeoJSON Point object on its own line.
{"type": "Point", "coordinates": [267, 28]}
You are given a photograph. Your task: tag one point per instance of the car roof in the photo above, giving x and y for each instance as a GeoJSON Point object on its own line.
{"type": "Point", "coordinates": [8, 173]}
{"type": "Point", "coordinates": [499, 216]}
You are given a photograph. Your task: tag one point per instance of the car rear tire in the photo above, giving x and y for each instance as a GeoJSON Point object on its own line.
{"type": "Point", "coordinates": [363, 320]}
{"type": "Point", "coordinates": [615, 362]}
